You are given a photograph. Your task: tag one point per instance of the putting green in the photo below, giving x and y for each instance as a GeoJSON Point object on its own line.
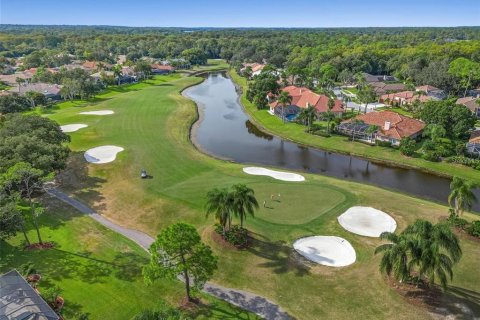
{"type": "Point", "coordinates": [297, 204]}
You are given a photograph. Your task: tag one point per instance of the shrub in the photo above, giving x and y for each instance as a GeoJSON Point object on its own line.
{"type": "Point", "coordinates": [236, 235]}
{"type": "Point", "coordinates": [383, 143]}
{"type": "Point", "coordinates": [457, 222]}
{"type": "Point", "coordinates": [407, 146]}
{"type": "Point", "coordinates": [474, 228]}
{"type": "Point", "coordinates": [474, 163]}
{"type": "Point", "coordinates": [431, 155]}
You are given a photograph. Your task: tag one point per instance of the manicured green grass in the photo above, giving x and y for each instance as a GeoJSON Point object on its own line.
{"type": "Point", "coordinates": [342, 144]}
{"type": "Point", "coordinates": [153, 126]}
{"type": "Point", "coordinates": [98, 271]}
{"type": "Point", "coordinates": [290, 207]}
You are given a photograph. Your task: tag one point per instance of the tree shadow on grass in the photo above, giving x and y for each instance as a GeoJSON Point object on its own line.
{"type": "Point", "coordinates": [281, 257]}
{"type": "Point", "coordinates": [128, 266]}
{"type": "Point", "coordinates": [211, 311]}
{"type": "Point", "coordinates": [455, 303]}
{"type": "Point", "coordinates": [76, 181]}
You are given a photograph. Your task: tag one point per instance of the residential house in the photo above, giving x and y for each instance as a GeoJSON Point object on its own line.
{"type": "Point", "coordinates": [473, 144]}
{"type": "Point", "coordinates": [405, 98]}
{"type": "Point", "coordinates": [93, 66]}
{"type": "Point", "coordinates": [301, 98]}
{"type": "Point", "coordinates": [11, 79]}
{"type": "Point", "coordinates": [391, 127]}
{"type": "Point", "coordinates": [381, 88]}
{"type": "Point", "coordinates": [256, 68]}
{"type": "Point", "coordinates": [471, 103]}
{"type": "Point", "coordinates": [18, 300]}
{"type": "Point", "coordinates": [431, 91]}
{"type": "Point", "coordinates": [50, 91]}
{"type": "Point", "coordinates": [162, 69]}
{"type": "Point", "coordinates": [377, 78]}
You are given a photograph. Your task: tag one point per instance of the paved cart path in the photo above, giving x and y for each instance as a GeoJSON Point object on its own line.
{"type": "Point", "coordinates": [243, 299]}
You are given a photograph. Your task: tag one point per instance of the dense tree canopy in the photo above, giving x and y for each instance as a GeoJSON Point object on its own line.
{"type": "Point", "coordinates": [419, 54]}
{"type": "Point", "coordinates": [32, 139]}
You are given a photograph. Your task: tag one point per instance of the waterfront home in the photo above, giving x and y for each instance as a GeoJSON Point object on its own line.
{"type": "Point", "coordinates": [256, 68]}
{"type": "Point", "coordinates": [473, 144]}
{"type": "Point", "coordinates": [471, 103]}
{"type": "Point", "coordinates": [301, 98]}
{"type": "Point", "coordinates": [162, 69]}
{"type": "Point", "coordinates": [385, 126]}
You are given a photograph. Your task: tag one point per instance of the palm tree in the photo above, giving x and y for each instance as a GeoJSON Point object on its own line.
{"type": "Point", "coordinates": [244, 201]}
{"type": "Point", "coordinates": [329, 114]}
{"type": "Point", "coordinates": [395, 258]}
{"type": "Point", "coordinates": [219, 202]}
{"type": "Point", "coordinates": [117, 72]}
{"type": "Point", "coordinates": [462, 195]}
{"type": "Point", "coordinates": [436, 250]}
{"type": "Point", "coordinates": [284, 99]}
{"type": "Point", "coordinates": [308, 115]}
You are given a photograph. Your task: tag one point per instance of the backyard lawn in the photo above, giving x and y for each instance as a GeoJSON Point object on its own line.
{"type": "Point", "coordinates": [98, 271]}
{"type": "Point", "coordinates": [152, 125]}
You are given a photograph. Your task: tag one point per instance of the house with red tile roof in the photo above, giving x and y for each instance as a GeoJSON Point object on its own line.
{"type": "Point", "coordinates": [392, 127]}
{"type": "Point", "coordinates": [301, 98]}
{"type": "Point", "coordinates": [405, 97]}
{"type": "Point", "coordinates": [256, 67]}
{"type": "Point", "coordinates": [162, 69]}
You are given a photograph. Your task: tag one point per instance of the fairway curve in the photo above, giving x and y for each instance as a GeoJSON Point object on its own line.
{"type": "Point", "coordinates": [279, 175]}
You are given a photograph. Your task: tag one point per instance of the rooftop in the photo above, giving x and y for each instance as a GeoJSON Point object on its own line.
{"type": "Point", "coordinates": [392, 124]}
{"type": "Point", "coordinates": [18, 300]}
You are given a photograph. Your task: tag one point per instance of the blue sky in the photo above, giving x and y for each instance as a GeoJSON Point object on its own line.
{"type": "Point", "coordinates": [243, 13]}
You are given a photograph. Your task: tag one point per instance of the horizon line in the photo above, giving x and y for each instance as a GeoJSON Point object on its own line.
{"type": "Point", "coordinates": [234, 27]}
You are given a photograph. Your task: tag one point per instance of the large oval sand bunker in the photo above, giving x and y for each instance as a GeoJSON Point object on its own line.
{"type": "Point", "coordinates": [327, 250]}
{"type": "Point", "coordinates": [103, 154]}
{"type": "Point", "coordinates": [72, 127]}
{"type": "Point", "coordinates": [98, 112]}
{"type": "Point", "coordinates": [279, 175]}
{"type": "Point", "coordinates": [367, 221]}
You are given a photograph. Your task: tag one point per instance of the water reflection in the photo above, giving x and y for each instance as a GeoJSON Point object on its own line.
{"type": "Point", "coordinates": [226, 131]}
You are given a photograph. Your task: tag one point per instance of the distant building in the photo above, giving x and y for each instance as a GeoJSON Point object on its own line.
{"type": "Point", "coordinates": [381, 88]}
{"type": "Point", "coordinates": [473, 145]}
{"type": "Point", "coordinates": [256, 68]}
{"type": "Point", "coordinates": [50, 91]}
{"type": "Point", "coordinates": [406, 98]}
{"type": "Point", "coordinates": [301, 98]}
{"type": "Point", "coordinates": [391, 127]}
{"type": "Point", "coordinates": [18, 300]}
{"type": "Point", "coordinates": [11, 79]}
{"type": "Point", "coordinates": [378, 78]}
{"type": "Point", "coordinates": [432, 91]}
{"type": "Point", "coordinates": [471, 103]}
{"type": "Point", "coordinates": [162, 69]}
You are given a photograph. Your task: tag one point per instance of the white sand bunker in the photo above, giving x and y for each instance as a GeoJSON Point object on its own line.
{"type": "Point", "coordinates": [367, 221]}
{"type": "Point", "coordinates": [327, 250]}
{"type": "Point", "coordinates": [279, 175]}
{"type": "Point", "coordinates": [98, 112]}
{"type": "Point", "coordinates": [72, 127]}
{"type": "Point", "coordinates": [103, 154]}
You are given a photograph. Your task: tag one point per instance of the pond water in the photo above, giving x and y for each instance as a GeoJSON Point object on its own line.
{"type": "Point", "coordinates": [225, 131]}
